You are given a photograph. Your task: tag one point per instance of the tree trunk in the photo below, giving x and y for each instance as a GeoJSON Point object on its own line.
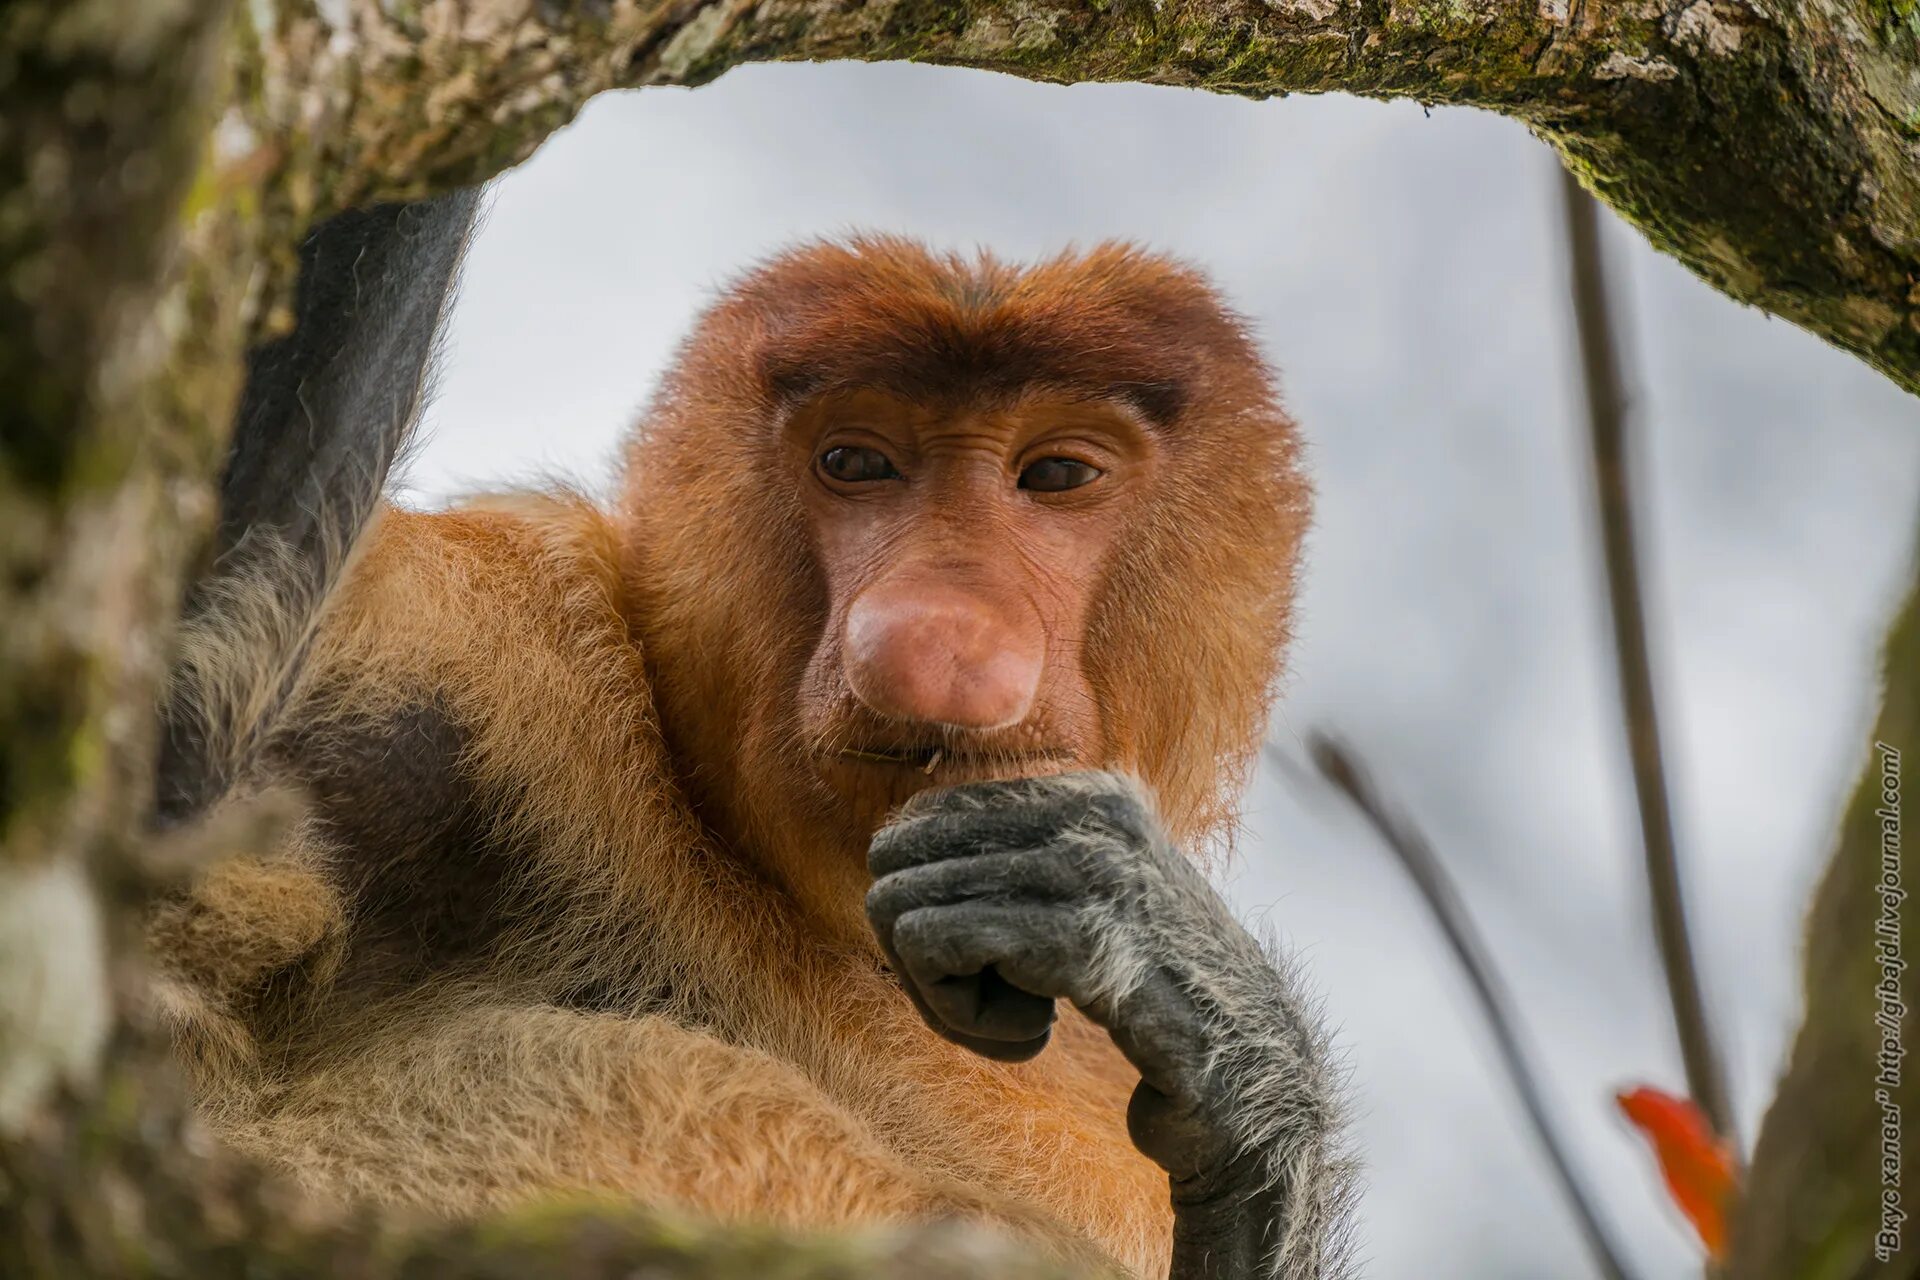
{"type": "Point", "coordinates": [159, 160]}
{"type": "Point", "coordinates": [1813, 1204]}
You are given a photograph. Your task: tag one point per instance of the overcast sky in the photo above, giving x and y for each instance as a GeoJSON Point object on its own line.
{"type": "Point", "coordinates": [1404, 271]}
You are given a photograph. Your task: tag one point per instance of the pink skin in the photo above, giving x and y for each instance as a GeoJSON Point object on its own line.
{"type": "Point", "coordinates": [933, 653]}
{"type": "Point", "coordinates": [958, 588]}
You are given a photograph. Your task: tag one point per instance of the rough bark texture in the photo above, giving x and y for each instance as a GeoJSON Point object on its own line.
{"type": "Point", "coordinates": [160, 158]}
{"type": "Point", "coordinates": [1769, 144]}
{"type": "Point", "coordinates": [105, 113]}
{"type": "Point", "coordinates": [111, 405]}
{"type": "Point", "coordinates": [1813, 1203]}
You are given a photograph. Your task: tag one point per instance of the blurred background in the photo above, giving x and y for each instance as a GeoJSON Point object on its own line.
{"type": "Point", "coordinates": [1406, 272]}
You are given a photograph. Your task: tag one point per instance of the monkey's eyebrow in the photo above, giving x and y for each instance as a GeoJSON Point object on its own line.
{"type": "Point", "coordinates": [1160, 401]}
{"type": "Point", "coordinates": [794, 380]}
{"type": "Point", "coordinates": [1152, 406]}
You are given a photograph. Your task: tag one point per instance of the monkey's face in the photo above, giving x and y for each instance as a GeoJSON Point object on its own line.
{"type": "Point", "coordinates": [960, 549]}
{"type": "Point", "coordinates": [900, 520]}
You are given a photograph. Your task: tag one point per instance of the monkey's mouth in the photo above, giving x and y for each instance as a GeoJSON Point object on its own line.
{"type": "Point", "coordinates": [930, 757]}
{"type": "Point", "coordinates": [925, 759]}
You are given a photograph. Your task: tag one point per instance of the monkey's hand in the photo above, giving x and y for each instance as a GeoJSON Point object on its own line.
{"type": "Point", "coordinates": [994, 899]}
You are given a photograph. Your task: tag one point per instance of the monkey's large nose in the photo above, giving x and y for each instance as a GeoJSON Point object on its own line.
{"type": "Point", "coordinates": [943, 655]}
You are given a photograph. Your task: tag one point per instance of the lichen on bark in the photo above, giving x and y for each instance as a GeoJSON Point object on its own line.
{"type": "Point", "coordinates": [103, 124]}
{"type": "Point", "coordinates": [1768, 144]}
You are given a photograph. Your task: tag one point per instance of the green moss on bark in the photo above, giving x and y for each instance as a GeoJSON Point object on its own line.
{"type": "Point", "coordinates": [1813, 1205]}
{"type": "Point", "coordinates": [105, 110]}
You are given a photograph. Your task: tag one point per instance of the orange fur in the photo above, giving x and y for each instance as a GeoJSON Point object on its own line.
{"type": "Point", "coordinates": [671, 996]}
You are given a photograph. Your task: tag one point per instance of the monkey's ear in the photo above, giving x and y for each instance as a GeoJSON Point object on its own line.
{"type": "Point", "coordinates": [325, 411]}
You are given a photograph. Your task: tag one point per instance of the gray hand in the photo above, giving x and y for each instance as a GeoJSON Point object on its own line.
{"type": "Point", "coordinates": [994, 899]}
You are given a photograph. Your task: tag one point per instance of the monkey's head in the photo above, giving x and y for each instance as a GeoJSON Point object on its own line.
{"type": "Point", "coordinates": [899, 520]}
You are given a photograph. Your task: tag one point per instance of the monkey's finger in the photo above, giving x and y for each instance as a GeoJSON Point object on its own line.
{"type": "Point", "coordinates": [993, 817]}
{"type": "Point", "coordinates": [1038, 948]}
{"type": "Point", "coordinates": [978, 1011]}
{"type": "Point", "coordinates": [986, 1006]}
{"type": "Point", "coordinates": [1025, 875]}
{"type": "Point", "coordinates": [985, 974]}
{"type": "Point", "coordinates": [1005, 1024]}
{"type": "Point", "coordinates": [994, 792]}
{"type": "Point", "coordinates": [964, 1000]}
{"type": "Point", "coordinates": [908, 985]}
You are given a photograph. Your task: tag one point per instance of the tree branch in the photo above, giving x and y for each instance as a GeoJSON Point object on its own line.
{"type": "Point", "coordinates": [1610, 448]}
{"type": "Point", "coordinates": [1768, 144]}
{"type": "Point", "coordinates": [1813, 1201]}
{"type": "Point", "coordinates": [1344, 772]}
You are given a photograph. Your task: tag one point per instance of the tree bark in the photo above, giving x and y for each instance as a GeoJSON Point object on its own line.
{"type": "Point", "coordinates": [1768, 144]}
{"type": "Point", "coordinates": [112, 410]}
{"type": "Point", "coordinates": [1812, 1208]}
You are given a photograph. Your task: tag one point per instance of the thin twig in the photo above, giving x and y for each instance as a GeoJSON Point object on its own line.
{"type": "Point", "coordinates": [1346, 774]}
{"type": "Point", "coordinates": [1608, 427]}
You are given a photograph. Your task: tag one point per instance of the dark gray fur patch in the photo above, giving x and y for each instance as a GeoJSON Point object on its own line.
{"type": "Point", "coordinates": [418, 858]}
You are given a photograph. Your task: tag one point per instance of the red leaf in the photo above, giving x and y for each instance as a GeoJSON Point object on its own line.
{"type": "Point", "coordinates": [1699, 1168]}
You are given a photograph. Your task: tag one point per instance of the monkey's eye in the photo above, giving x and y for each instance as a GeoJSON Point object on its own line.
{"type": "Point", "coordinates": [853, 464]}
{"type": "Point", "coordinates": [1054, 475]}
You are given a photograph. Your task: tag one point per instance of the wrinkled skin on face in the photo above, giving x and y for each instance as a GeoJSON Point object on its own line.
{"type": "Point", "coordinates": [960, 553]}
{"type": "Point", "coordinates": [968, 521]}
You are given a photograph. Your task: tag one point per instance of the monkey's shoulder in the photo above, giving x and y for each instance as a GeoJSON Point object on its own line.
{"type": "Point", "coordinates": [467, 595]}
{"type": "Point", "coordinates": [472, 689]}
{"type": "Point", "coordinates": [465, 650]}
{"type": "Point", "coordinates": [506, 615]}
{"type": "Point", "coordinates": [491, 640]}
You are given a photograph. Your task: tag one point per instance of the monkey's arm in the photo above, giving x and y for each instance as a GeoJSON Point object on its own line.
{"type": "Point", "coordinates": [339, 1029]}
{"type": "Point", "coordinates": [362, 1072]}
{"type": "Point", "coordinates": [460, 1108]}
{"type": "Point", "coordinates": [993, 899]}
